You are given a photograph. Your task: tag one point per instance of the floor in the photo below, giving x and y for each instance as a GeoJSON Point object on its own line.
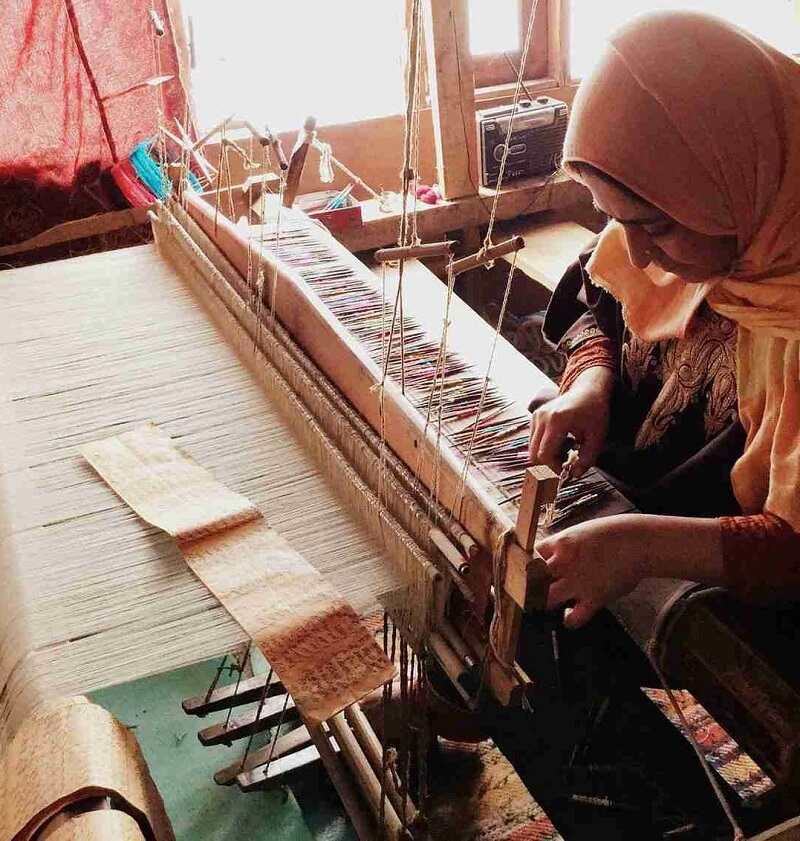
{"type": "Point", "coordinates": [199, 809]}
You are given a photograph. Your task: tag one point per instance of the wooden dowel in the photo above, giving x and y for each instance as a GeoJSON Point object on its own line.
{"type": "Point", "coordinates": [483, 257]}
{"type": "Point", "coordinates": [205, 167]}
{"type": "Point", "coordinates": [407, 252]}
{"type": "Point", "coordinates": [456, 670]}
{"type": "Point", "coordinates": [263, 139]}
{"type": "Point", "coordinates": [343, 784]}
{"type": "Point", "coordinates": [470, 547]}
{"type": "Point", "coordinates": [456, 642]}
{"type": "Point", "coordinates": [211, 132]}
{"type": "Point", "coordinates": [539, 488]}
{"type": "Point", "coordinates": [450, 553]}
{"type": "Point", "coordinates": [277, 149]}
{"type": "Point", "coordinates": [298, 161]}
{"type": "Point", "coordinates": [232, 144]}
{"type": "Point", "coordinates": [366, 778]}
{"type": "Point", "coordinates": [374, 751]}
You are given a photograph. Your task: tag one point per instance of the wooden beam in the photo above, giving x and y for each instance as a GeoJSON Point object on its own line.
{"type": "Point", "coordinates": [368, 782]}
{"type": "Point", "coordinates": [530, 195]}
{"type": "Point", "coordinates": [526, 580]}
{"type": "Point", "coordinates": [274, 710]}
{"type": "Point", "coordinates": [539, 488]}
{"type": "Point", "coordinates": [247, 691]}
{"type": "Point", "coordinates": [452, 93]}
{"type": "Point", "coordinates": [787, 831]}
{"type": "Point", "coordinates": [558, 40]}
{"type": "Point", "coordinates": [356, 375]}
{"type": "Point", "coordinates": [91, 226]}
{"type": "Point", "coordinates": [291, 741]}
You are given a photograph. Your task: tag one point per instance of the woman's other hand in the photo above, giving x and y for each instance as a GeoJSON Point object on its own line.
{"type": "Point", "coordinates": [594, 563]}
{"type": "Point", "coordinates": [581, 412]}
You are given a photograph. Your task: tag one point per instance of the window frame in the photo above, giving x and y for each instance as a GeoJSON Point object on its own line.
{"type": "Point", "coordinates": [502, 68]}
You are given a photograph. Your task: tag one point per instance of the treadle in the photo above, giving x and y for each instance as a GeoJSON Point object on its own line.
{"type": "Point", "coordinates": [291, 756]}
{"type": "Point", "coordinates": [247, 692]}
{"type": "Point", "coordinates": [274, 774]}
{"type": "Point", "coordinates": [346, 744]}
{"type": "Point", "coordinates": [276, 709]}
{"type": "Point", "coordinates": [291, 741]}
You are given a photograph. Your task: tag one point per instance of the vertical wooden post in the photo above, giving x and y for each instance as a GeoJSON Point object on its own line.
{"type": "Point", "coordinates": [539, 488]}
{"type": "Point", "coordinates": [452, 91]}
{"type": "Point", "coordinates": [558, 40]}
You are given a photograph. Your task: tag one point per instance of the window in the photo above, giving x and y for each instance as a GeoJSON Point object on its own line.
{"type": "Point", "coordinates": [776, 21]}
{"type": "Point", "coordinates": [273, 63]}
{"type": "Point", "coordinates": [497, 30]}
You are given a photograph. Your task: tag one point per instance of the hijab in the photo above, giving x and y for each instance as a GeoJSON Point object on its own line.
{"type": "Point", "coordinates": [702, 120]}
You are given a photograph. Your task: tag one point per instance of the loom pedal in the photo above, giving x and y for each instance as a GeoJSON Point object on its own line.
{"type": "Point", "coordinates": [291, 753]}
{"type": "Point", "coordinates": [276, 709]}
{"type": "Point", "coordinates": [293, 740]}
{"type": "Point", "coordinates": [248, 691]}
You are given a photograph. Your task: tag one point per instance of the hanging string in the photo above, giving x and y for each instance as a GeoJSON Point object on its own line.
{"type": "Point", "coordinates": [484, 390]}
{"type": "Point", "coordinates": [397, 312]}
{"type": "Point", "coordinates": [239, 667]}
{"type": "Point", "coordinates": [517, 93]}
{"type": "Point", "coordinates": [326, 173]}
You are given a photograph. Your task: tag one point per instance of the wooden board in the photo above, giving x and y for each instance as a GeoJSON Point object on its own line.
{"type": "Point", "coordinates": [549, 249]}
{"type": "Point", "coordinates": [452, 92]}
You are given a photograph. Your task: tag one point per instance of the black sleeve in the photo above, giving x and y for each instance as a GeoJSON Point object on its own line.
{"type": "Point", "coordinates": [579, 310]}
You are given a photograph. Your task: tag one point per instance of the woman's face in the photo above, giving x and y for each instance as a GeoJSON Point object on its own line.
{"type": "Point", "coordinates": [654, 237]}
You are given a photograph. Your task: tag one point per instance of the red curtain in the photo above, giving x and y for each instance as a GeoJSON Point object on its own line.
{"type": "Point", "coordinates": [64, 115]}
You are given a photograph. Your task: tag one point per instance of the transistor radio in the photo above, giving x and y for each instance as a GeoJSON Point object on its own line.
{"type": "Point", "coordinates": [537, 136]}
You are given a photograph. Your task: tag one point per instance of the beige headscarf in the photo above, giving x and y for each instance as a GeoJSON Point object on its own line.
{"type": "Point", "coordinates": [702, 120]}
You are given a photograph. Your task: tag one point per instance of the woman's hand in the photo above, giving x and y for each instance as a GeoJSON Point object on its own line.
{"type": "Point", "coordinates": [596, 562]}
{"type": "Point", "coordinates": [581, 412]}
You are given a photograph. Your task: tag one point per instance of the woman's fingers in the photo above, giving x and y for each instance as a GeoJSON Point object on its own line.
{"type": "Point", "coordinates": [559, 592]}
{"type": "Point", "coordinates": [575, 617]}
{"type": "Point", "coordinates": [536, 433]}
{"type": "Point", "coordinates": [551, 444]}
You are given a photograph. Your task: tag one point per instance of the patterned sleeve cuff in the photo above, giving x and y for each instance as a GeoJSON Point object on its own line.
{"type": "Point", "coordinates": [761, 557]}
{"type": "Point", "coordinates": [569, 344]}
{"type": "Point", "coordinates": [595, 353]}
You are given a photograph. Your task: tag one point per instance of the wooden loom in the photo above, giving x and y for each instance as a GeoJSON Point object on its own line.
{"type": "Point", "coordinates": [468, 527]}
{"type": "Point", "coordinates": [396, 428]}
{"type": "Point", "coordinates": [123, 340]}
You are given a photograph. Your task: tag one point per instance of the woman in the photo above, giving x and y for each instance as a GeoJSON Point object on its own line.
{"type": "Point", "coordinates": [687, 134]}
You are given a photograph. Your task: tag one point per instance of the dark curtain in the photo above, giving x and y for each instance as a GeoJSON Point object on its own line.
{"type": "Point", "coordinates": [65, 117]}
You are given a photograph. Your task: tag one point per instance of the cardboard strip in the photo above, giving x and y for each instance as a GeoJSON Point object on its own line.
{"type": "Point", "coordinates": [313, 639]}
{"type": "Point", "coordinates": [69, 752]}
